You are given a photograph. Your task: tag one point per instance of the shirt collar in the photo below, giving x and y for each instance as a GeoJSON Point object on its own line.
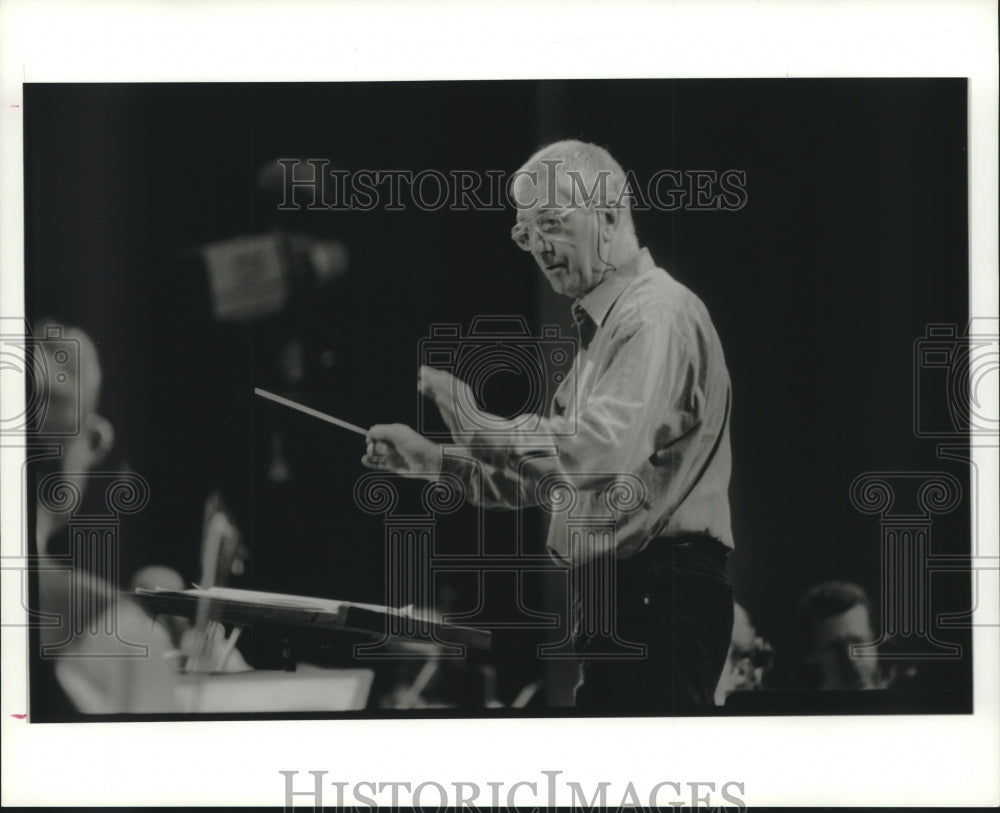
{"type": "Point", "coordinates": [599, 301]}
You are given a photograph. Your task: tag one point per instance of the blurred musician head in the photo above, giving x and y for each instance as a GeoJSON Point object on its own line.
{"type": "Point", "coordinates": [67, 375]}
{"type": "Point", "coordinates": [833, 617]}
{"type": "Point", "coordinates": [70, 384]}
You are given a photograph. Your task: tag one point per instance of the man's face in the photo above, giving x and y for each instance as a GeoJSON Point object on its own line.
{"type": "Point", "coordinates": [564, 242]}
{"type": "Point", "coordinates": [834, 637]}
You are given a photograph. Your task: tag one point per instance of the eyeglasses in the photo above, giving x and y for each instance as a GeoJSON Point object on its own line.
{"type": "Point", "coordinates": [550, 223]}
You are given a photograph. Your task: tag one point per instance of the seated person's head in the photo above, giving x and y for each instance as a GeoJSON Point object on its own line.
{"type": "Point", "coordinates": [833, 617]}
{"type": "Point", "coordinates": [67, 389]}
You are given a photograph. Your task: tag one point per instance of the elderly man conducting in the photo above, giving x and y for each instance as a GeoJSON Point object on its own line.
{"type": "Point", "coordinates": [647, 403]}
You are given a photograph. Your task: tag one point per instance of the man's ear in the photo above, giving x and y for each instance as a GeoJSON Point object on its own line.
{"type": "Point", "coordinates": [608, 219]}
{"type": "Point", "coordinates": [100, 439]}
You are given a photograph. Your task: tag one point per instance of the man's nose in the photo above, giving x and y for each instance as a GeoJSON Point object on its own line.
{"type": "Point", "coordinates": [541, 246]}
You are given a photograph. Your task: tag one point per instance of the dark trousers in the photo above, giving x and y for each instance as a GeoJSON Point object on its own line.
{"type": "Point", "coordinates": [672, 622]}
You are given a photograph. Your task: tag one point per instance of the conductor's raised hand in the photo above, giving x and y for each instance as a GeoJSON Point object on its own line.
{"type": "Point", "coordinates": [397, 448]}
{"type": "Point", "coordinates": [453, 398]}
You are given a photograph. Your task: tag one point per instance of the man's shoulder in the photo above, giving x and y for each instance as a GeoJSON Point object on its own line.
{"type": "Point", "coordinates": [654, 296]}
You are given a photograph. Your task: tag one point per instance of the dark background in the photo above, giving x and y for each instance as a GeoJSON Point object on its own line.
{"type": "Point", "coordinates": [853, 239]}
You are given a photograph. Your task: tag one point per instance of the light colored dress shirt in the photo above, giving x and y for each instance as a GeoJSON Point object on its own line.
{"type": "Point", "coordinates": [638, 430]}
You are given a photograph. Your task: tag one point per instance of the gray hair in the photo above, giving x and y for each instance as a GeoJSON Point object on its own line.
{"type": "Point", "coordinates": [826, 600]}
{"type": "Point", "coordinates": [591, 175]}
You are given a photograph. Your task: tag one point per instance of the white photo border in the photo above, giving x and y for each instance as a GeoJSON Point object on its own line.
{"type": "Point", "coordinates": [933, 760]}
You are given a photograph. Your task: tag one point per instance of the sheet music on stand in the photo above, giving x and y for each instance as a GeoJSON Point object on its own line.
{"type": "Point", "coordinates": [242, 607]}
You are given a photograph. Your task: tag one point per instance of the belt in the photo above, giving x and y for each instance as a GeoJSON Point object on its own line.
{"type": "Point", "coordinates": [690, 551]}
{"type": "Point", "coordinates": [693, 547]}
{"type": "Point", "coordinates": [695, 551]}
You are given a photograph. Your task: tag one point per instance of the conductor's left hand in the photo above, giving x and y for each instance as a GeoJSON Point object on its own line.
{"type": "Point", "coordinates": [397, 448]}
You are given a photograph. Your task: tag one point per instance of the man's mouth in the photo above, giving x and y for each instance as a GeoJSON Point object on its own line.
{"type": "Point", "coordinates": [555, 268]}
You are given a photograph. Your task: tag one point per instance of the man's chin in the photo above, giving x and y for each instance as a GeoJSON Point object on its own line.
{"type": "Point", "coordinates": [562, 285]}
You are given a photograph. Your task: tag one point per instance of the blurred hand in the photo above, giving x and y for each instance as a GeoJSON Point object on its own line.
{"type": "Point", "coordinates": [398, 448]}
{"type": "Point", "coordinates": [453, 398]}
{"type": "Point", "coordinates": [209, 650]}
